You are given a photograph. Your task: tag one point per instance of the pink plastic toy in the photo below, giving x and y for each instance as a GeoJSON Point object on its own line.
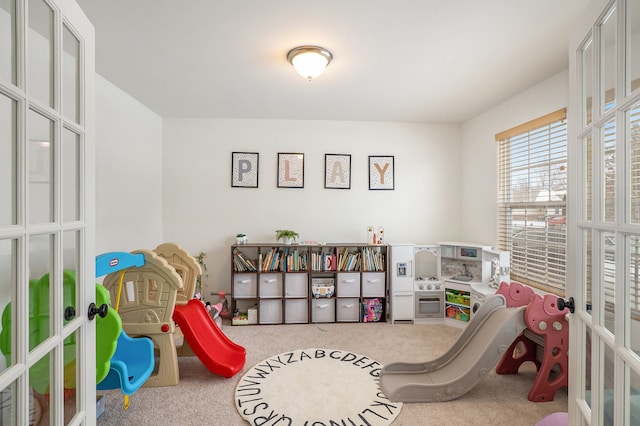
{"type": "Point", "coordinates": [544, 319]}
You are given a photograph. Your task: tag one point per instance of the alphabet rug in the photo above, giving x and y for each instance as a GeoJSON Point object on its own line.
{"type": "Point", "coordinates": [315, 387]}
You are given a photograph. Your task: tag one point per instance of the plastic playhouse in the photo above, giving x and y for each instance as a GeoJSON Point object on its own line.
{"type": "Point", "coordinates": [156, 301]}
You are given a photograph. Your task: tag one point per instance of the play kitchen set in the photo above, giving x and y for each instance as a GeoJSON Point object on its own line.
{"type": "Point", "coordinates": [443, 282]}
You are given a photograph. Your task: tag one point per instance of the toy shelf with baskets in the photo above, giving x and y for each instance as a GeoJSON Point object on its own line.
{"type": "Point", "coordinates": [457, 303]}
{"type": "Point", "coordinates": [299, 284]}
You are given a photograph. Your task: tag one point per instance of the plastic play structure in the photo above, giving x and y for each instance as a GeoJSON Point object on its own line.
{"type": "Point", "coordinates": [157, 302]}
{"type": "Point", "coordinates": [133, 361]}
{"type": "Point", "coordinates": [507, 330]}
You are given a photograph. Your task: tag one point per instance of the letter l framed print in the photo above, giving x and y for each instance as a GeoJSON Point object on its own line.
{"type": "Point", "coordinates": [290, 170]}
{"type": "Point", "coordinates": [381, 172]}
{"type": "Point", "coordinates": [244, 169]}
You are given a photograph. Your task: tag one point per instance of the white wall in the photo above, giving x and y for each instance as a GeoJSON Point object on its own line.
{"type": "Point", "coordinates": [480, 152]}
{"type": "Point", "coordinates": [128, 172]}
{"type": "Point", "coordinates": [202, 212]}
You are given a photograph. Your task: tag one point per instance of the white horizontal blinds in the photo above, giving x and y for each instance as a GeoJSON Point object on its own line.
{"type": "Point", "coordinates": [634, 241]}
{"type": "Point", "coordinates": [532, 192]}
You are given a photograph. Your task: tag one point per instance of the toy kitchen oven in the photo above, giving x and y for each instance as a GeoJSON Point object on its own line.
{"type": "Point", "coordinates": [417, 293]}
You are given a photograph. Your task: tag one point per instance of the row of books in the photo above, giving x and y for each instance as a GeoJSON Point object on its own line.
{"type": "Point", "coordinates": [293, 260]}
{"type": "Point", "coordinates": [323, 262]}
{"type": "Point", "coordinates": [283, 259]}
{"type": "Point", "coordinates": [372, 260]}
{"type": "Point", "coordinates": [349, 261]}
{"type": "Point", "coordinates": [241, 263]}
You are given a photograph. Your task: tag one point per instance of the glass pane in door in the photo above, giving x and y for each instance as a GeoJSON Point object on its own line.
{"type": "Point", "coordinates": [633, 248]}
{"type": "Point", "coordinates": [586, 74]}
{"type": "Point", "coordinates": [8, 40]}
{"type": "Point", "coordinates": [587, 178]}
{"type": "Point", "coordinates": [608, 61]}
{"type": "Point", "coordinates": [588, 266]}
{"type": "Point", "coordinates": [70, 176]}
{"type": "Point", "coordinates": [40, 268]}
{"type": "Point", "coordinates": [608, 379]}
{"type": "Point", "coordinates": [633, 44]}
{"type": "Point", "coordinates": [70, 377]}
{"type": "Point", "coordinates": [633, 126]}
{"type": "Point", "coordinates": [609, 171]}
{"type": "Point", "coordinates": [40, 168]}
{"type": "Point", "coordinates": [631, 411]}
{"type": "Point", "coordinates": [39, 383]}
{"type": "Point", "coordinates": [71, 261]}
{"type": "Point", "coordinates": [608, 252]}
{"type": "Point", "coordinates": [70, 74]}
{"type": "Point", "coordinates": [8, 161]}
{"type": "Point", "coordinates": [8, 284]}
{"type": "Point", "coordinates": [40, 52]}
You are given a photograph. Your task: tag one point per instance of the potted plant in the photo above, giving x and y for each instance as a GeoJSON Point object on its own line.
{"type": "Point", "coordinates": [241, 238]}
{"type": "Point", "coordinates": [286, 235]}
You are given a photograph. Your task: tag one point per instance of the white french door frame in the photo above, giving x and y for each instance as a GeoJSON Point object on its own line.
{"type": "Point", "coordinates": [591, 338]}
{"type": "Point", "coordinates": [66, 14]}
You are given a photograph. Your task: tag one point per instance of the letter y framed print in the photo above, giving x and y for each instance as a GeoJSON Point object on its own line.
{"type": "Point", "coordinates": [337, 171]}
{"type": "Point", "coordinates": [381, 172]}
{"type": "Point", "coordinates": [244, 169]}
{"type": "Point", "coordinates": [290, 170]}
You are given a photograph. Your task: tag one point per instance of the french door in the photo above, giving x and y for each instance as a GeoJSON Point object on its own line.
{"type": "Point", "coordinates": [47, 343]}
{"type": "Point", "coordinates": [604, 236]}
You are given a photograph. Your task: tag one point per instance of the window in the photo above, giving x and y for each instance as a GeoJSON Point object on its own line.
{"type": "Point", "coordinates": [532, 197]}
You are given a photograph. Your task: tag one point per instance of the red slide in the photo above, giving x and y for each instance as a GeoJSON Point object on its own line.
{"type": "Point", "coordinates": [219, 354]}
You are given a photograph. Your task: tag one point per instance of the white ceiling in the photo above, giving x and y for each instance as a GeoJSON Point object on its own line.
{"type": "Point", "coordinates": [436, 61]}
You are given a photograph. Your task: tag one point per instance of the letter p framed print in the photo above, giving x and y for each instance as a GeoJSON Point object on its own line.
{"type": "Point", "coordinates": [244, 169]}
{"type": "Point", "coordinates": [381, 172]}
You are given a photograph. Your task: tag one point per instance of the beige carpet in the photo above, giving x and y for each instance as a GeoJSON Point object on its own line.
{"type": "Point", "coordinates": [315, 386]}
{"type": "Point", "coordinates": [200, 398]}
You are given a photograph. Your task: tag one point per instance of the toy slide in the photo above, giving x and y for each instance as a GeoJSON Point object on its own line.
{"type": "Point", "coordinates": [473, 355]}
{"type": "Point", "coordinates": [216, 351]}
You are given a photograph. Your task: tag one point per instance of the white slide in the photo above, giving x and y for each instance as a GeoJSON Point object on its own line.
{"type": "Point", "coordinates": [478, 349]}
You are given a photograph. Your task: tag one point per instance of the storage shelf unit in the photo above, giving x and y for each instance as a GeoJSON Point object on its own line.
{"type": "Point", "coordinates": [276, 280]}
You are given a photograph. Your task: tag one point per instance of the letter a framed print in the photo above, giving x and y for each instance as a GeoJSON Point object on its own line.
{"type": "Point", "coordinates": [290, 170]}
{"type": "Point", "coordinates": [381, 172]}
{"type": "Point", "coordinates": [337, 171]}
{"type": "Point", "coordinates": [244, 169]}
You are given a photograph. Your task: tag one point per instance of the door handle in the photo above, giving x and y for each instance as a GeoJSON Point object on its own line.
{"type": "Point", "coordinates": [570, 303]}
{"type": "Point", "coordinates": [94, 310]}
{"type": "Point", "coordinates": [69, 313]}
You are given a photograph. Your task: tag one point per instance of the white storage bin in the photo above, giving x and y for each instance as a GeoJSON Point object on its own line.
{"type": "Point", "coordinates": [296, 311]}
{"type": "Point", "coordinates": [296, 285]}
{"type": "Point", "coordinates": [373, 284]}
{"type": "Point", "coordinates": [348, 285]}
{"type": "Point", "coordinates": [271, 285]}
{"type": "Point", "coordinates": [323, 310]}
{"type": "Point", "coordinates": [244, 285]}
{"type": "Point", "coordinates": [270, 312]}
{"type": "Point", "coordinates": [348, 309]}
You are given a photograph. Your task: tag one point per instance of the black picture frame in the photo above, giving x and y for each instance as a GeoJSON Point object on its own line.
{"type": "Point", "coordinates": [337, 171]}
{"type": "Point", "coordinates": [244, 169]}
{"type": "Point", "coordinates": [381, 172]}
{"type": "Point", "coordinates": [290, 170]}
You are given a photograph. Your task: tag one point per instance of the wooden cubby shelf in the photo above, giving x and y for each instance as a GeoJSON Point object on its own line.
{"type": "Point", "coordinates": [274, 283]}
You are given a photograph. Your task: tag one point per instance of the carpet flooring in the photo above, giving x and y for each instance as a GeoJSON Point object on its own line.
{"type": "Point", "coordinates": [201, 398]}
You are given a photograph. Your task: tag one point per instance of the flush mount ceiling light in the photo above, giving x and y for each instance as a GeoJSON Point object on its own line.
{"type": "Point", "coordinates": [309, 61]}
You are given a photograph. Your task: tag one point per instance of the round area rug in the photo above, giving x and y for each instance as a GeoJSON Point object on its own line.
{"type": "Point", "coordinates": [315, 387]}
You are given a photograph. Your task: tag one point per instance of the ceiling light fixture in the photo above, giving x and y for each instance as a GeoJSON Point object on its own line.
{"type": "Point", "coordinates": [309, 61]}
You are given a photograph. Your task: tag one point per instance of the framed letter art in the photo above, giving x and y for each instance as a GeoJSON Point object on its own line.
{"type": "Point", "coordinates": [244, 169]}
{"type": "Point", "coordinates": [290, 170]}
{"type": "Point", "coordinates": [337, 171]}
{"type": "Point", "coordinates": [381, 174]}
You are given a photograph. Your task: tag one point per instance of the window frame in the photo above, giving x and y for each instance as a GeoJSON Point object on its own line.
{"type": "Point", "coordinates": [532, 200]}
